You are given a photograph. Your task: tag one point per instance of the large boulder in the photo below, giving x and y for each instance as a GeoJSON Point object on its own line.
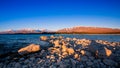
{"type": "Point", "coordinates": [29, 49]}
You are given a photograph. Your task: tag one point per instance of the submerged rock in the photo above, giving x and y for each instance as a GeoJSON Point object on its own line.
{"type": "Point", "coordinates": [29, 49]}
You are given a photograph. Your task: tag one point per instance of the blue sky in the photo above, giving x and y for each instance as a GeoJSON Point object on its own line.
{"type": "Point", "coordinates": [57, 14]}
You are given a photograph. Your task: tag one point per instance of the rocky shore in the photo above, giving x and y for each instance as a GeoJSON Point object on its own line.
{"type": "Point", "coordinates": [63, 52]}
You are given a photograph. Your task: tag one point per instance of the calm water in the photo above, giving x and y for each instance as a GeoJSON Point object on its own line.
{"type": "Point", "coordinates": [14, 42]}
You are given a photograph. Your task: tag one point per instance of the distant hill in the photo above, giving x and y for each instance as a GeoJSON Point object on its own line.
{"type": "Point", "coordinates": [89, 30]}
{"type": "Point", "coordinates": [25, 31]}
{"type": "Point", "coordinates": [73, 30]}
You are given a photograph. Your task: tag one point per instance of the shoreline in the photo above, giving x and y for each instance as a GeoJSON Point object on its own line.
{"type": "Point", "coordinates": [65, 53]}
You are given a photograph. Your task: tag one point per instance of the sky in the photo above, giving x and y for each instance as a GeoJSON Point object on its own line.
{"type": "Point", "coordinates": [58, 14]}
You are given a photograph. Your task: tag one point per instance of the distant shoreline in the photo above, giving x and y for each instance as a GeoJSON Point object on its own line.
{"type": "Point", "coordinates": [61, 33]}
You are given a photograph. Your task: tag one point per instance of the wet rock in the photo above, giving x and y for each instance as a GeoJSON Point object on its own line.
{"type": "Point", "coordinates": [29, 49]}
{"type": "Point", "coordinates": [43, 38]}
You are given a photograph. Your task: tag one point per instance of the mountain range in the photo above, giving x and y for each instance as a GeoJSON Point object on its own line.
{"type": "Point", "coordinates": [90, 30]}
{"type": "Point", "coordinates": [78, 29]}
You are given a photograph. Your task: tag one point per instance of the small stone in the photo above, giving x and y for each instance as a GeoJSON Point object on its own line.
{"type": "Point", "coordinates": [17, 65]}
{"type": "Point", "coordinates": [47, 57]}
{"type": "Point", "coordinates": [89, 63]}
{"type": "Point", "coordinates": [84, 58]}
{"type": "Point", "coordinates": [64, 53]}
{"type": "Point", "coordinates": [82, 52]}
{"type": "Point", "coordinates": [73, 63]}
{"type": "Point", "coordinates": [64, 48]}
{"type": "Point", "coordinates": [32, 59]}
{"type": "Point", "coordinates": [21, 59]}
{"type": "Point", "coordinates": [52, 57]}
{"type": "Point", "coordinates": [24, 66]}
{"type": "Point", "coordinates": [81, 66]}
{"type": "Point", "coordinates": [76, 56]}
{"type": "Point", "coordinates": [26, 61]}
{"type": "Point", "coordinates": [108, 52]}
{"type": "Point", "coordinates": [91, 58]}
{"type": "Point", "coordinates": [56, 43]}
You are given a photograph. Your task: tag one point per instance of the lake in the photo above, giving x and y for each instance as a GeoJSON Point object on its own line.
{"type": "Point", "coordinates": [14, 42]}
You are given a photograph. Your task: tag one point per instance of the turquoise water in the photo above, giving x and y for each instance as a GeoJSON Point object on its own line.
{"type": "Point", "coordinates": [14, 42]}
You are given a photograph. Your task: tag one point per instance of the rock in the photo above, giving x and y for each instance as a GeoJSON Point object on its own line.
{"type": "Point", "coordinates": [108, 52]}
{"type": "Point", "coordinates": [70, 51]}
{"type": "Point", "coordinates": [74, 39]}
{"type": "Point", "coordinates": [60, 37]}
{"type": "Point", "coordinates": [109, 62]}
{"type": "Point", "coordinates": [21, 59]}
{"type": "Point", "coordinates": [52, 36]}
{"type": "Point", "coordinates": [52, 57]}
{"type": "Point", "coordinates": [100, 50]}
{"type": "Point", "coordinates": [81, 66]}
{"type": "Point", "coordinates": [76, 56]}
{"type": "Point", "coordinates": [64, 48]}
{"type": "Point", "coordinates": [89, 63]}
{"type": "Point", "coordinates": [91, 58]}
{"type": "Point", "coordinates": [44, 38]}
{"type": "Point", "coordinates": [1, 65]}
{"type": "Point", "coordinates": [26, 61]}
{"type": "Point", "coordinates": [82, 52]}
{"type": "Point", "coordinates": [44, 44]}
{"type": "Point", "coordinates": [32, 59]}
{"type": "Point", "coordinates": [17, 65]}
{"type": "Point", "coordinates": [73, 63]}
{"type": "Point", "coordinates": [84, 58]}
{"type": "Point", "coordinates": [56, 43]}
{"type": "Point", "coordinates": [29, 49]}
{"type": "Point", "coordinates": [24, 66]}
{"type": "Point", "coordinates": [64, 54]}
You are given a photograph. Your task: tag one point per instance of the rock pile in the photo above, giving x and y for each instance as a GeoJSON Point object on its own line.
{"type": "Point", "coordinates": [67, 53]}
